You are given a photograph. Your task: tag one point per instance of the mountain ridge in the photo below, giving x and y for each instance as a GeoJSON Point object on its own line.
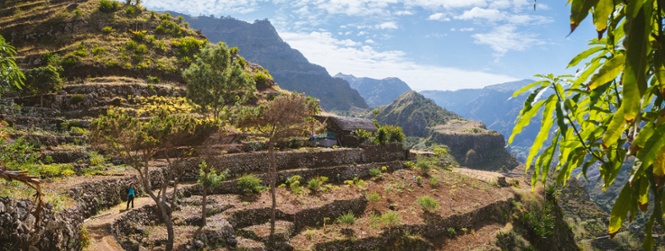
{"type": "Point", "coordinates": [376, 92]}
{"type": "Point", "coordinates": [259, 42]}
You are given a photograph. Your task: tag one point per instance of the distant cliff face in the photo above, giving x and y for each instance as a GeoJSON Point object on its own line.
{"type": "Point", "coordinates": [492, 105]}
{"type": "Point", "coordinates": [376, 92]}
{"type": "Point", "coordinates": [413, 112]}
{"type": "Point", "coordinates": [470, 142]}
{"type": "Point", "coordinates": [260, 43]}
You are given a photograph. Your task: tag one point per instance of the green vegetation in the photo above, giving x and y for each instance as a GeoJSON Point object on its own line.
{"type": "Point", "coordinates": [374, 172]}
{"type": "Point", "coordinates": [428, 204]}
{"type": "Point", "coordinates": [11, 76]}
{"type": "Point", "coordinates": [610, 111]}
{"type": "Point", "coordinates": [451, 232]}
{"type": "Point", "coordinates": [347, 219]}
{"type": "Point", "coordinates": [108, 6]}
{"type": "Point", "coordinates": [294, 183]}
{"type": "Point", "coordinates": [373, 197]}
{"type": "Point", "coordinates": [208, 178]}
{"type": "Point", "coordinates": [250, 184]}
{"type": "Point", "coordinates": [216, 78]}
{"type": "Point", "coordinates": [316, 184]}
{"type": "Point", "coordinates": [390, 219]}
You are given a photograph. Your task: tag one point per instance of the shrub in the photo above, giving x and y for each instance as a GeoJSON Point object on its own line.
{"type": "Point", "coordinates": [107, 29]}
{"type": "Point", "coordinates": [347, 219]}
{"type": "Point", "coordinates": [451, 232]}
{"type": "Point", "coordinates": [363, 135]}
{"type": "Point", "coordinates": [188, 45]}
{"type": "Point", "coordinates": [390, 219]}
{"type": "Point", "coordinates": [427, 203]}
{"type": "Point", "coordinates": [141, 49]}
{"type": "Point", "coordinates": [434, 181]}
{"type": "Point", "coordinates": [153, 80]}
{"type": "Point", "coordinates": [440, 151]}
{"type": "Point", "coordinates": [76, 98]}
{"type": "Point", "coordinates": [373, 197]}
{"type": "Point", "coordinates": [395, 133]}
{"type": "Point", "coordinates": [70, 60]}
{"type": "Point", "coordinates": [424, 168]}
{"type": "Point", "coordinates": [108, 6]}
{"type": "Point", "coordinates": [315, 184]}
{"type": "Point", "coordinates": [74, 130]}
{"type": "Point", "coordinates": [56, 170]}
{"type": "Point", "coordinates": [374, 172]}
{"type": "Point", "coordinates": [249, 183]}
{"type": "Point", "coordinates": [262, 80]}
{"type": "Point", "coordinates": [84, 236]}
{"type": "Point", "coordinates": [95, 159]}
{"type": "Point", "coordinates": [382, 136]}
{"type": "Point", "coordinates": [294, 183]}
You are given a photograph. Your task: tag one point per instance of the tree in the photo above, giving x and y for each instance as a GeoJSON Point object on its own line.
{"type": "Point", "coordinates": [208, 178]}
{"type": "Point", "coordinates": [216, 78]}
{"type": "Point", "coordinates": [11, 76]}
{"type": "Point", "coordinates": [611, 112]}
{"type": "Point", "coordinates": [280, 119]}
{"type": "Point", "coordinates": [138, 140]}
{"type": "Point", "coordinates": [43, 80]}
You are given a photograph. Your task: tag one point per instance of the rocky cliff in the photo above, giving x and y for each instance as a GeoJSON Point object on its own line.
{"type": "Point", "coordinates": [259, 42]}
{"type": "Point", "coordinates": [494, 106]}
{"type": "Point", "coordinates": [376, 92]}
{"type": "Point", "coordinates": [470, 142]}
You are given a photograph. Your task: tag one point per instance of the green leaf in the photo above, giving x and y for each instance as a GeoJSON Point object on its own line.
{"type": "Point", "coordinates": [579, 10]}
{"type": "Point", "coordinates": [608, 72]}
{"type": "Point", "coordinates": [600, 14]}
{"type": "Point", "coordinates": [638, 27]}
{"type": "Point", "coordinates": [643, 194]}
{"type": "Point", "coordinates": [614, 129]}
{"type": "Point", "coordinates": [620, 209]}
{"type": "Point", "coordinates": [560, 118]}
{"type": "Point", "coordinates": [544, 161]}
{"type": "Point", "coordinates": [640, 141]}
{"type": "Point", "coordinates": [650, 151]}
{"type": "Point", "coordinates": [546, 124]}
{"type": "Point", "coordinates": [585, 54]}
{"type": "Point", "coordinates": [525, 118]}
{"type": "Point", "coordinates": [540, 84]}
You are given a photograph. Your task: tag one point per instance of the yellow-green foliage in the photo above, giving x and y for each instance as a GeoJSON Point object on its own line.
{"type": "Point", "coordinates": [56, 170]}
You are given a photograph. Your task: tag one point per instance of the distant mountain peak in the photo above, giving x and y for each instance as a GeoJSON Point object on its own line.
{"type": "Point", "coordinates": [376, 92]}
{"type": "Point", "coordinates": [260, 43]}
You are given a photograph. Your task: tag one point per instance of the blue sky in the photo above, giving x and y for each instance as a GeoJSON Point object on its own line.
{"type": "Point", "coordinates": [430, 44]}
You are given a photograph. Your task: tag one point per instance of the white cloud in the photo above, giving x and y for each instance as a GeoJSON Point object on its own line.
{"type": "Point", "coordinates": [364, 60]}
{"type": "Point", "coordinates": [438, 17]}
{"type": "Point", "coordinates": [403, 13]}
{"type": "Point", "coordinates": [205, 7]}
{"type": "Point", "coordinates": [387, 25]}
{"type": "Point", "coordinates": [506, 38]}
{"type": "Point", "coordinates": [467, 29]}
{"type": "Point", "coordinates": [492, 15]}
{"type": "Point", "coordinates": [369, 41]}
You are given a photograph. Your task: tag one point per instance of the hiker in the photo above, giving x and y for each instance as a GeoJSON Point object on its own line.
{"type": "Point", "coordinates": [130, 195]}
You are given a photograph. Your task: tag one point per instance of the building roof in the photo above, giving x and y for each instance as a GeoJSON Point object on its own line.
{"type": "Point", "coordinates": [352, 124]}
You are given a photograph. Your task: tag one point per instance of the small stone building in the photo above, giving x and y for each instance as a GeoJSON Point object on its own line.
{"type": "Point", "coordinates": [341, 128]}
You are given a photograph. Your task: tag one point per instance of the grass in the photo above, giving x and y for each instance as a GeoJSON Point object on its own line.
{"type": "Point", "coordinates": [373, 197]}
{"type": "Point", "coordinates": [250, 184]}
{"type": "Point", "coordinates": [427, 203]}
{"type": "Point", "coordinates": [390, 219]}
{"type": "Point", "coordinates": [346, 219]}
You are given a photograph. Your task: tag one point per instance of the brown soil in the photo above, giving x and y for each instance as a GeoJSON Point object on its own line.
{"type": "Point", "coordinates": [398, 192]}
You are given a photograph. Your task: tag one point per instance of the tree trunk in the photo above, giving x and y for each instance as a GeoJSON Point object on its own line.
{"type": "Point", "coordinates": [272, 177]}
{"type": "Point", "coordinates": [204, 201]}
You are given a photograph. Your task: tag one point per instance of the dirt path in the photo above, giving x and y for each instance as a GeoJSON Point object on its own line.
{"type": "Point", "coordinates": [486, 176]}
{"type": "Point", "coordinates": [99, 226]}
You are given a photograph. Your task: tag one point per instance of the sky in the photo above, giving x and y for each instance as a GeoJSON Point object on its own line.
{"type": "Point", "coordinates": [429, 44]}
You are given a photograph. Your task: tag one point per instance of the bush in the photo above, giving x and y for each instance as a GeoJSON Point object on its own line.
{"type": "Point", "coordinates": [434, 181]}
{"type": "Point", "coordinates": [374, 172]}
{"type": "Point", "coordinates": [76, 98]}
{"type": "Point", "coordinates": [373, 197]}
{"type": "Point", "coordinates": [262, 80]}
{"type": "Point", "coordinates": [316, 184]}
{"type": "Point", "coordinates": [77, 131]}
{"type": "Point", "coordinates": [451, 232]}
{"type": "Point", "coordinates": [294, 183]}
{"type": "Point", "coordinates": [424, 168]}
{"type": "Point", "coordinates": [347, 219]}
{"type": "Point", "coordinates": [395, 134]}
{"type": "Point", "coordinates": [390, 219]}
{"type": "Point", "coordinates": [108, 6]}
{"type": "Point", "coordinates": [427, 203]}
{"type": "Point", "coordinates": [107, 29]}
{"type": "Point", "coordinates": [95, 159]}
{"type": "Point", "coordinates": [249, 183]}
{"type": "Point", "coordinates": [84, 236]}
